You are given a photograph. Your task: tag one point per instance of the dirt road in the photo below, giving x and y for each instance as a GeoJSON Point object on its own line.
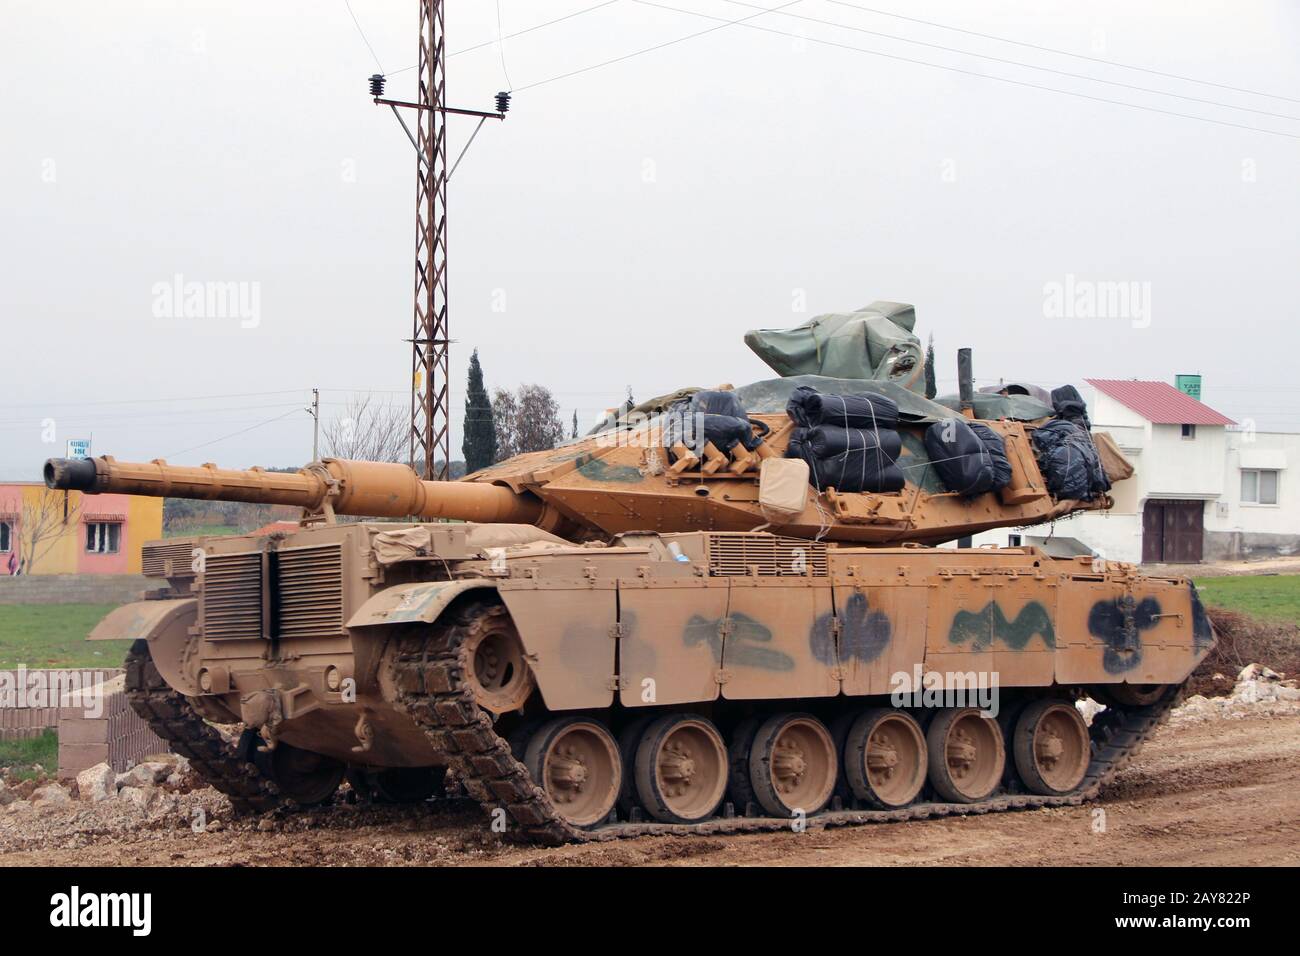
{"type": "Point", "coordinates": [1219, 792]}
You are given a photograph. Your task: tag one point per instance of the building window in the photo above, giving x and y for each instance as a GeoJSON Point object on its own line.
{"type": "Point", "coordinates": [103, 537]}
{"type": "Point", "coordinates": [6, 536]}
{"type": "Point", "coordinates": [1189, 431]}
{"type": "Point", "coordinates": [1013, 541]}
{"type": "Point", "coordinates": [1258, 486]}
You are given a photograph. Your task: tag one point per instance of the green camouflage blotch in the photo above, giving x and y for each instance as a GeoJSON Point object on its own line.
{"type": "Point", "coordinates": [741, 645]}
{"type": "Point", "coordinates": [981, 628]}
{"type": "Point", "coordinates": [596, 470]}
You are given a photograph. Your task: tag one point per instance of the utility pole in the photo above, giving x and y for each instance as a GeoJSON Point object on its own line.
{"type": "Point", "coordinates": [430, 438]}
{"type": "Point", "coordinates": [314, 412]}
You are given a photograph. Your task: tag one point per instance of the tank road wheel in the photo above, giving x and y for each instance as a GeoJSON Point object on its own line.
{"type": "Point", "coordinates": [885, 758]}
{"type": "Point", "coordinates": [576, 762]}
{"type": "Point", "coordinates": [1051, 747]}
{"type": "Point", "coordinates": [681, 769]}
{"type": "Point", "coordinates": [967, 755]}
{"type": "Point", "coordinates": [304, 777]}
{"type": "Point", "coordinates": [792, 764]}
{"type": "Point", "coordinates": [629, 738]}
{"type": "Point", "coordinates": [739, 787]}
{"type": "Point", "coordinates": [494, 664]}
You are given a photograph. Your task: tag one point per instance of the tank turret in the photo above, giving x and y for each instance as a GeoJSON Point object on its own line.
{"type": "Point", "coordinates": [640, 477]}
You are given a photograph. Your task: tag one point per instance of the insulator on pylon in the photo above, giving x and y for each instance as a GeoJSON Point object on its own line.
{"type": "Point", "coordinates": [503, 102]}
{"type": "Point", "coordinates": [377, 85]}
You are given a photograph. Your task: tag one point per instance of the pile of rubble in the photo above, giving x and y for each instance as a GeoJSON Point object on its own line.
{"type": "Point", "coordinates": [1259, 692]}
{"type": "Point", "coordinates": [152, 787]}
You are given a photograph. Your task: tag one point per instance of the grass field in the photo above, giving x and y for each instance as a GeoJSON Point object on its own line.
{"type": "Point", "coordinates": [1275, 597]}
{"type": "Point", "coordinates": [54, 635]}
{"type": "Point", "coordinates": [21, 755]}
{"type": "Point", "coordinates": [209, 530]}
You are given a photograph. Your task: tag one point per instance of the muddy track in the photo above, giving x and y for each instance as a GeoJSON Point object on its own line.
{"type": "Point", "coordinates": [1212, 792]}
{"type": "Point", "coordinates": [212, 757]}
{"type": "Point", "coordinates": [428, 670]}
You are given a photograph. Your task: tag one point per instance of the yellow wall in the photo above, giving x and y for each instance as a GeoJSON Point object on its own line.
{"type": "Point", "coordinates": [67, 554]}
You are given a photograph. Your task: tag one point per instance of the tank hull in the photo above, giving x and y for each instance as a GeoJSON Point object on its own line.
{"type": "Point", "coordinates": [317, 641]}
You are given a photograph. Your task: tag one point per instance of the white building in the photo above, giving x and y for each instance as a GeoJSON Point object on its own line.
{"type": "Point", "coordinates": [1204, 488]}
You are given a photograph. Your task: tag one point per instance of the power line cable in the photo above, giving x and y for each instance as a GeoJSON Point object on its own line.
{"type": "Point", "coordinates": [363, 36]}
{"type": "Point", "coordinates": [501, 48]}
{"type": "Point", "coordinates": [1079, 56]}
{"type": "Point", "coordinates": [519, 33]}
{"type": "Point", "coordinates": [660, 46]}
{"type": "Point", "coordinates": [1027, 66]}
{"type": "Point", "coordinates": [143, 401]}
{"type": "Point", "coordinates": [937, 66]}
{"type": "Point", "coordinates": [242, 431]}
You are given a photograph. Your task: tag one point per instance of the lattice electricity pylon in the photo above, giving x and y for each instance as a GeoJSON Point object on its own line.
{"type": "Point", "coordinates": [430, 395]}
{"type": "Point", "coordinates": [430, 392]}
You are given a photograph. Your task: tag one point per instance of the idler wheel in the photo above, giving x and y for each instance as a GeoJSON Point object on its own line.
{"type": "Point", "coordinates": [576, 762]}
{"type": "Point", "coordinates": [305, 777]}
{"type": "Point", "coordinates": [792, 765]}
{"type": "Point", "coordinates": [966, 754]}
{"type": "Point", "coordinates": [495, 667]}
{"type": "Point", "coordinates": [681, 768]}
{"type": "Point", "coordinates": [1051, 747]}
{"type": "Point", "coordinates": [885, 758]}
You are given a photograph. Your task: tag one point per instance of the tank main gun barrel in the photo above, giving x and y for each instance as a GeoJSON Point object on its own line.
{"type": "Point", "coordinates": [360, 488]}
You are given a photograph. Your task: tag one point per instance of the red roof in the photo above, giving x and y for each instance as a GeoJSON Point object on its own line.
{"type": "Point", "coordinates": [1159, 402]}
{"type": "Point", "coordinates": [275, 526]}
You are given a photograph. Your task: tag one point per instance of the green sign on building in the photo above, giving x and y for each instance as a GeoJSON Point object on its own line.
{"type": "Point", "coordinates": [1189, 385]}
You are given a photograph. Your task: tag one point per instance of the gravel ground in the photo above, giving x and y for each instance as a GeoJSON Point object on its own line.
{"type": "Point", "coordinates": [1202, 791]}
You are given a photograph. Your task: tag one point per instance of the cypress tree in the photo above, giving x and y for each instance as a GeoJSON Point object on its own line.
{"type": "Point", "coordinates": [480, 443]}
{"type": "Point", "coordinates": [931, 389]}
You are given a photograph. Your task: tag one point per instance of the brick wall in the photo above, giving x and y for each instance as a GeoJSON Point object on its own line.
{"type": "Point", "coordinates": [19, 722]}
{"type": "Point", "coordinates": [117, 736]}
{"type": "Point", "coordinates": [74, 588]}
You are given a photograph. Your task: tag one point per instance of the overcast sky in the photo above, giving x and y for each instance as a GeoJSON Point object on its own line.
{"type": "Point", "coordinates": [626, 225]}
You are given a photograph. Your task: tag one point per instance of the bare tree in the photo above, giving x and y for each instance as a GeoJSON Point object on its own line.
{"type": "Point", "coordinates": [368, 430]}
{"type": "Point", "coordinates": [42, 521]}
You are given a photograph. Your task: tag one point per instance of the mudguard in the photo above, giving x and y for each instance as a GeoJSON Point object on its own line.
{"type": "Point", "coordinates": [413, 603]}
{"type": "Point", "coordinates": [142, 620]}
{"type": "Point", "coordinates": [165, 625]}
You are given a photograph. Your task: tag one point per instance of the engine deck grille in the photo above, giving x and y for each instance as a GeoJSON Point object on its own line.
{"type": "Point", "coordinates": [311, 592]}
{"type": "Point", "coordinates": [154, 558]}
{"type": "Point", "coordinates": [231, 598]}
{"type": "Point", "coordinates": [735, 553]}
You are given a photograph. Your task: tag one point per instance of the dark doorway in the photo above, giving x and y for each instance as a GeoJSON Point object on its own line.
{"type": "Point", "coordinates": [1173, 531]}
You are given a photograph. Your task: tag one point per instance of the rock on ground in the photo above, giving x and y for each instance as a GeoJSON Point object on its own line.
{"type": "Point", "coordinates": [97, 783]}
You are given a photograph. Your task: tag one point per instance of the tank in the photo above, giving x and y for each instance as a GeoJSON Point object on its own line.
{"type": "Point", "coordinates": [647, 632]}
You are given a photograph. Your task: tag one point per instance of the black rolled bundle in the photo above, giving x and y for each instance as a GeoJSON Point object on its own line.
{"type": "Point", "coordinates": [961, 458]}
{"type": "Point", "coordinates": [711, 416]}
{"type": "Point", "coordinates": [1069, 461]}
{"type": "Point", "coordinates": [826, 441]}
{"type": "Point", "coordinates": [997, 449]}
{"type": "Point", "coordinates": [810, 408]}
{"type": "Point", "coordinates": [849, 460]}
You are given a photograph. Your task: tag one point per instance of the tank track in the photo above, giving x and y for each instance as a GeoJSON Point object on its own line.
{"type": "Point", "coordinates": [169, 715]}
{"type": "Point", "coordinates": [428, 674]}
